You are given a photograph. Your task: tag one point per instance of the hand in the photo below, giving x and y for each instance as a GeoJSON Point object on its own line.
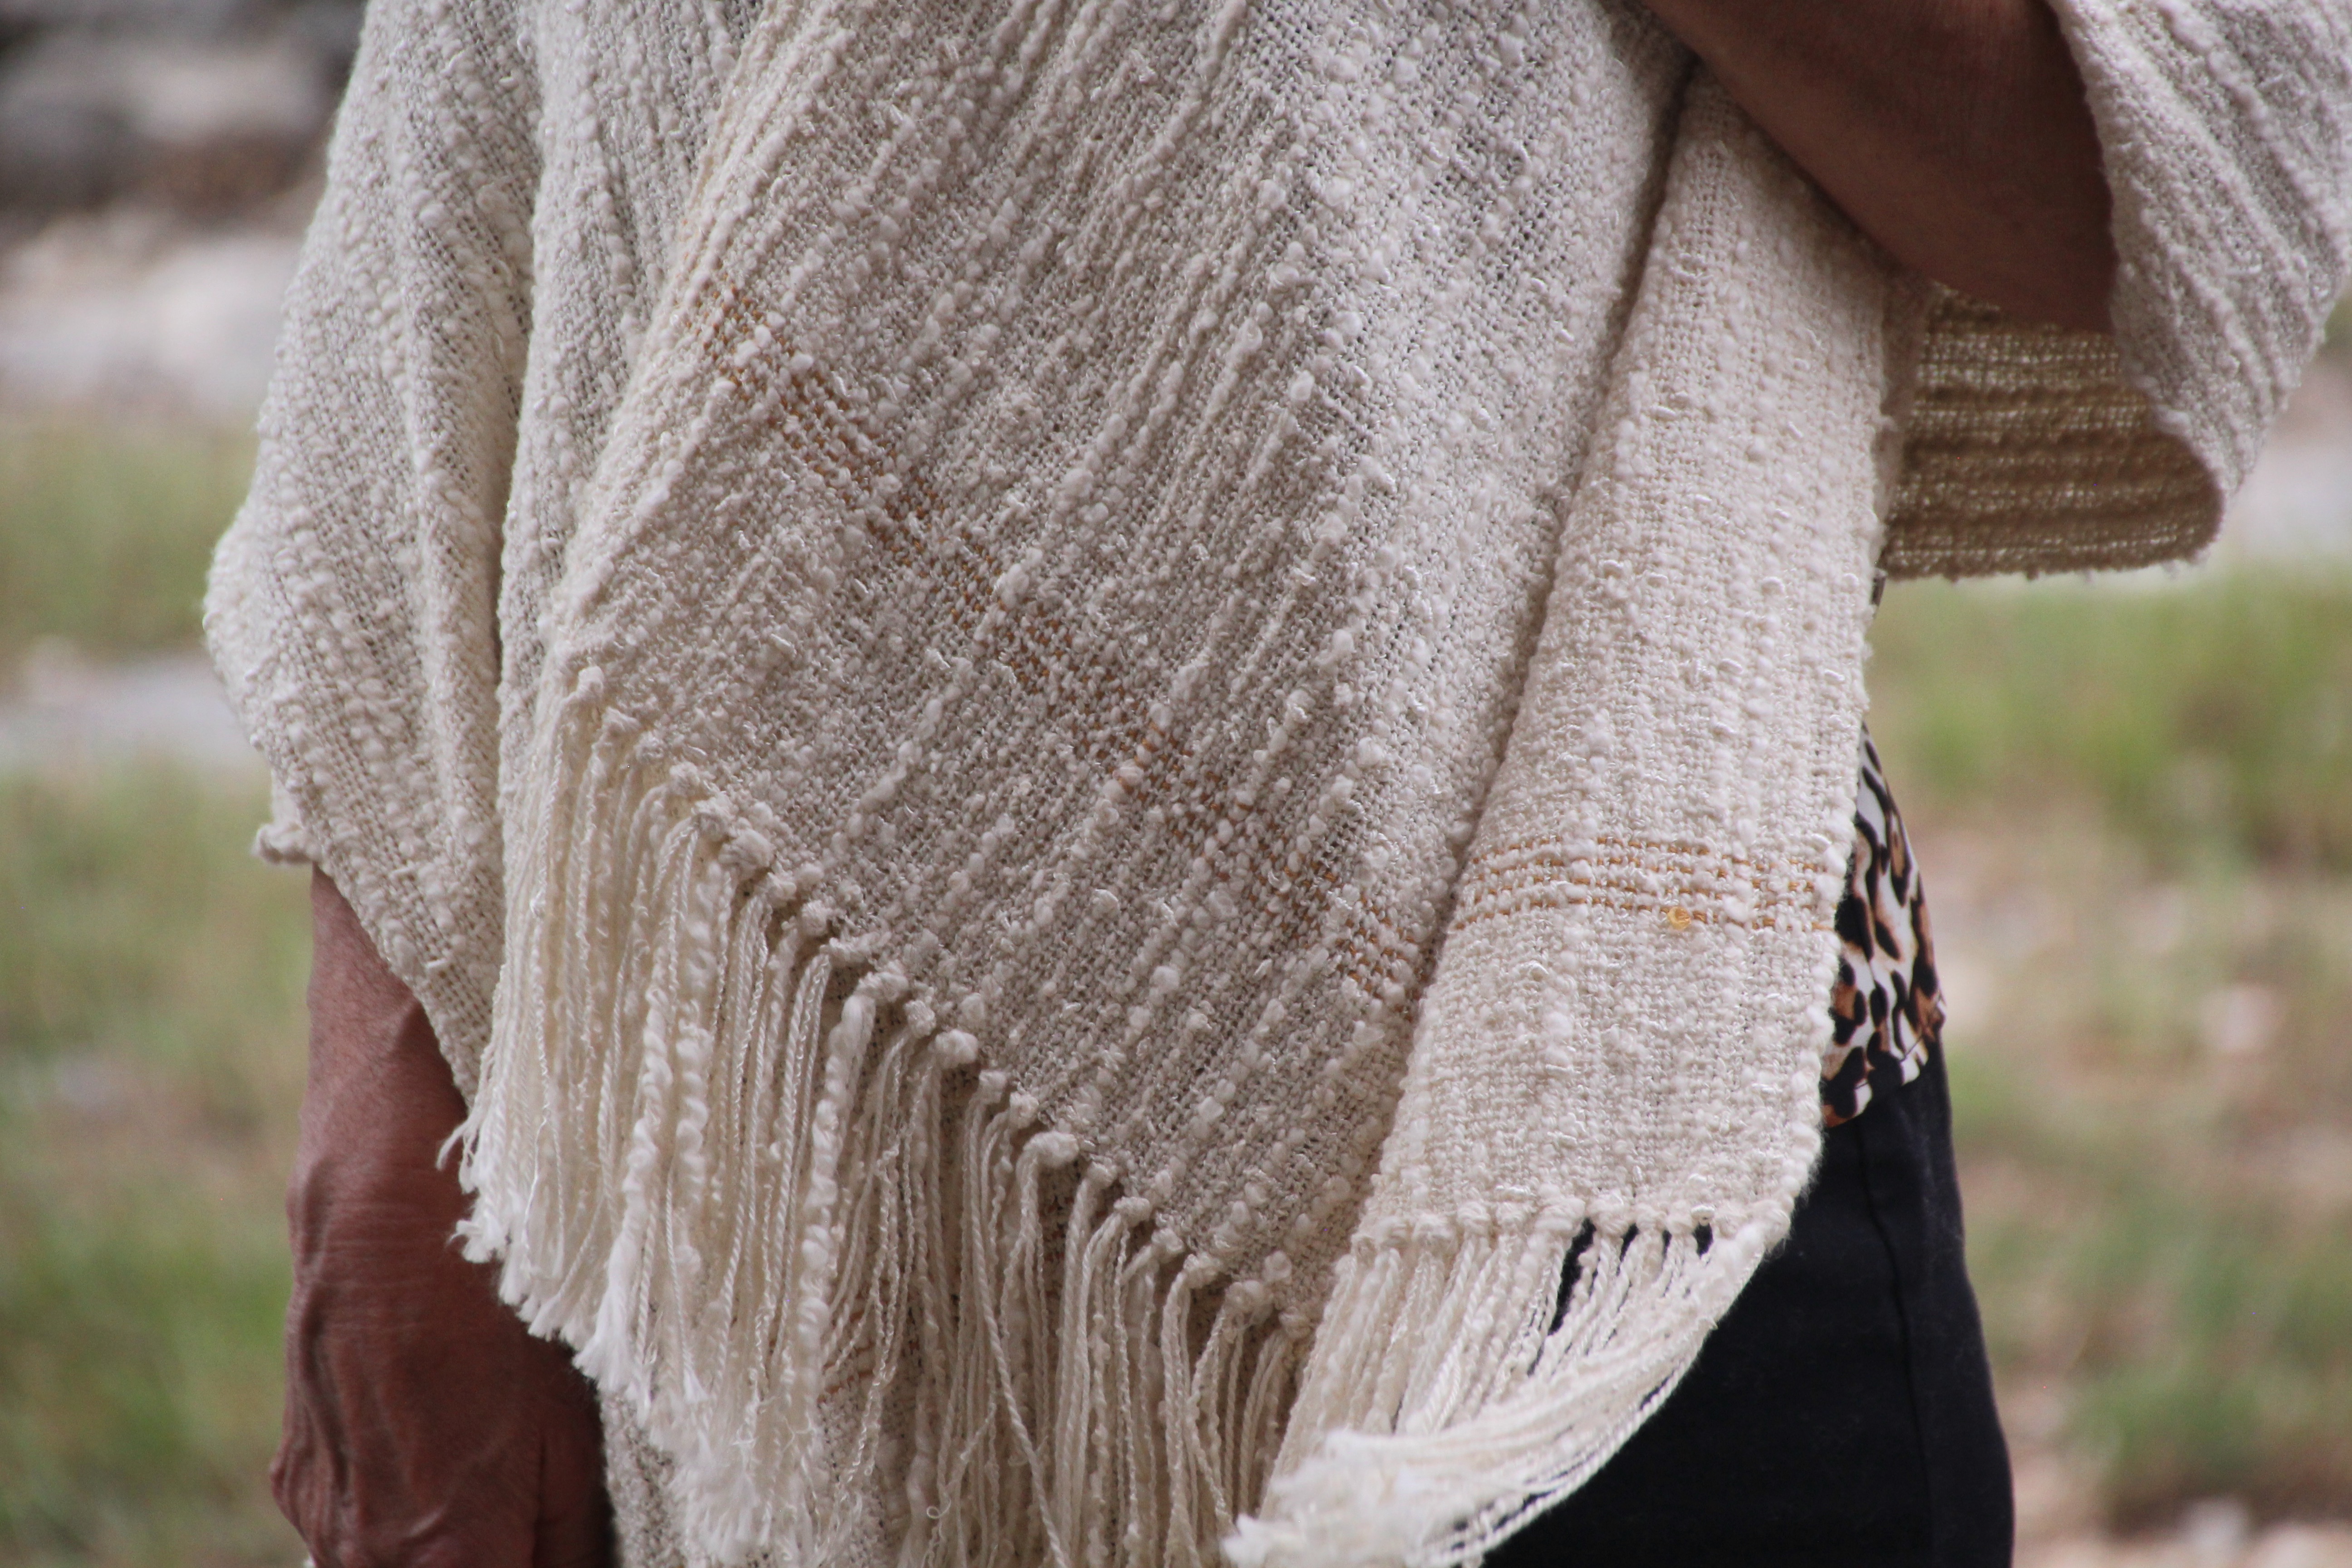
{"type": "Point", "coordinates": [425, 1426]}
{"type": "Point", "coordinates": [1954, 132]}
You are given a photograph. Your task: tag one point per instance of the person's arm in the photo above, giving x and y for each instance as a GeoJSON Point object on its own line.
{"type": "Point", "coordinates": [425, 1426]}
{"type": "Point", "coordinates": [1954, 132]}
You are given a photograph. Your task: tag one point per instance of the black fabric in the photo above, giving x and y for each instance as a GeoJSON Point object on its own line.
{"type": "Point", "coordinates": [1841, 1413]}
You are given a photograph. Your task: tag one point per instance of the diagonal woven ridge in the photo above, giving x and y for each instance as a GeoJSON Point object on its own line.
{"type": "Point", "coordinates": [1098, 726]}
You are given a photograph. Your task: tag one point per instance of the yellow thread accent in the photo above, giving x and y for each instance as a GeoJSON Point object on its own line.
{"type": "Point", "coordinates": [1679, 917]}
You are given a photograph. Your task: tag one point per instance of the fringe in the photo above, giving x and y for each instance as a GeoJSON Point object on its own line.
{"type": "Point", "coordinates": [1448, 1399]}
{"type": "Point", "coordinates": [837, 1268]}
{"type": "Point", "coordinates": [875, 1309]}
{"type": "Point", "coordinates": [1461, 1400]}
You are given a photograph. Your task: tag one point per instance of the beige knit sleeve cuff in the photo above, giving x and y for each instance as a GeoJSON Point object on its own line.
{"type": "Point", "coordinates": [2227, 132]}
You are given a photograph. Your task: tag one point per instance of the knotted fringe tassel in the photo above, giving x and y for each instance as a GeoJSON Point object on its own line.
{"type": "Point", "coordinates": [865, 1300]}
{"type": "Point", "coordinates": [1459, 1373]}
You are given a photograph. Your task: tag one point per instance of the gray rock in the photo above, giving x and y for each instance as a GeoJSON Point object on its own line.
{"type": "Point", "coordinates": [134, 308]}
{"type": "Point", "coordinates": [88, 118]}
{"type": "Point", "coordinates": [66, 712]}
{"type": "Point", "coordinates": [179, 18]}
{"type": "Point", "coordinates": [60, 144]}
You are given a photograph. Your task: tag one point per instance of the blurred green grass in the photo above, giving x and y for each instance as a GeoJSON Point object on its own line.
{"type": "Point", "coordinates": [105, 531]}
{"type": "Point", "coordinates": [2146, 792]}
{"type": "Point", "coordinates": [151, 1055]}
{"type": "Point", "coordinates": [2210, 716]}
{"type": "Point", "coordinates": [2143, 794]}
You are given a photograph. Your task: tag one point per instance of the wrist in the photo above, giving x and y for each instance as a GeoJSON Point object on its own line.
{"type": "Point", "coordinates": [379, 1105]}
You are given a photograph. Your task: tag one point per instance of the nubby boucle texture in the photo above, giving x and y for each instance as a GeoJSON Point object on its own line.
{"type": "Point", "coordinates": [1096, 726]}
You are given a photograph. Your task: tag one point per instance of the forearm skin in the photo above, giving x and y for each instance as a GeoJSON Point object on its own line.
{"type": "Point", "coordinates": [1954, 132]}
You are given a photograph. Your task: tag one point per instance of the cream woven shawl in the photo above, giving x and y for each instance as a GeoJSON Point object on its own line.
{"type": "Point", "coordinates": [1048, 1011]}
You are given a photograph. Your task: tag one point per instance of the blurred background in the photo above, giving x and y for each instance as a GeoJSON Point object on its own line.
{"type": "Point", "coordinates": [2132, 799]}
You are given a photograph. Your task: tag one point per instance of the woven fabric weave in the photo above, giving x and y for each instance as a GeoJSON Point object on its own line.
{"type": "Point", "coordinates": [1089, 723]}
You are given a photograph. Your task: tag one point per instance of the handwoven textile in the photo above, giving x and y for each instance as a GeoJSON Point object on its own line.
{"type": "Point", "coordinates": [1088, 722]}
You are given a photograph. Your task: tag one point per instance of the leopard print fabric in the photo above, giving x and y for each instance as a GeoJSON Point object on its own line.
{"type": "Point", "coordinates": [1887, 1011]}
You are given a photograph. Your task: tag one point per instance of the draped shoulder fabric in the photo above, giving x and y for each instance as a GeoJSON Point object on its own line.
{"type": "Point", "coordinates": [1095, 726]}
